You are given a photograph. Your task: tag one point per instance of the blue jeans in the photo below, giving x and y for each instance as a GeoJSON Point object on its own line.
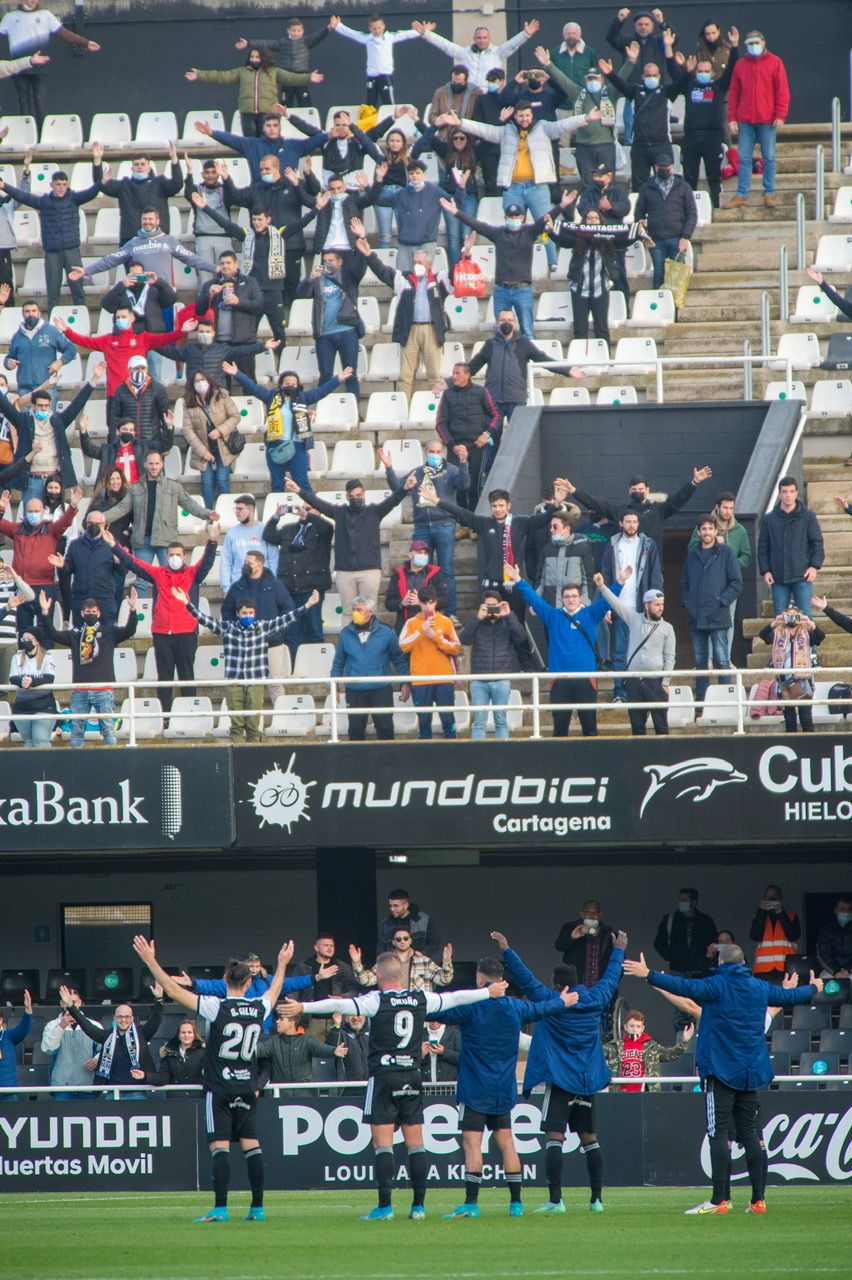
{"type": "Point", "coordinates": [297, 467]}
{"type": "Point", "coordinates": [802, 593]}
{"type": "Point", "coordinates": [215, 480]}
{"type": "Point", "coordinates": [456, 230]}
{"type": "Point", "coordinates": [764, 136]}
{"type": "Point", "coordinates": [482, 694]}
{"type": "Point", "coordinates": [35, 733]}
{"type": "Point", "coordinates": [441, 538]}
{"type": "Point", "coordinates": [534, 196]}
{"type": "Point", "coordinates": [705, 643]}
{"type": "Point", "coordinates": [663, 249]}
{"type": "Point", "coordinates": [517, 298]}
{"type": "Point", "coordinates": [328, 345]}
{"type": "Point", "coordinates": [627, 120]}
{"type": "Point", "coordinates": [619, 635]}
{"type": "Point", "coordinates": [441, 695]}
{"type": "Point", "coordinates": [82, 702]}
{"type": "Point", "coordinates": [384, 219]}
{"type": "Point", "coordinates": [150, 555]}
{"type": "Point", "coordinates": [34, 489]}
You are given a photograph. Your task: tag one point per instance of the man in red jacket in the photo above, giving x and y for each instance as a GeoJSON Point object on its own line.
{"type": "Point", "coordinates": [34, 543]}
{"type": "Point", "coordinates": [123, 343]}
{"type": "Point", "coordinates": [757, 104]}
{"type": "Point", "coordinates": [173, 627]}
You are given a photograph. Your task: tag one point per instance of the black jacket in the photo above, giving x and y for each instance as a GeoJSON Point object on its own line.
{"type": "Point", "coordinates": [674, 215]}
{"type": "Point", "coordinates": [358, 145]}
{"type": "Point", "coordinates": [652, 515]}
{"type": "Point", "coordinates": [175, 1069]}
{"type": "Point", "coordinates": [574, 949]}
{"type": "Point", "coordinates": [446, 1063]}
{"type": "Point", "coordinates": [22, 420]}
{"type": "Point", "coordinates": [159, 296]}
{"type": "Point", "coordinates": [101, 669]}
{"type": "Point", "coordinates": [148, 411]}
{"type": "Point", "coordinates": [651, 47]}
{"type": "Point", "coordinates": [591, 196]}
{"type": "Point", "coordinates": [134, 196]}
{"type": "Point", "coordinates": [246, 313]}
{"type": "Point", "coordinates": [554, 572]}
{"type": "Point", "coordinates": [706, 104]}
{"type": "Point", "coordinates": [789, 544]}
{"type": "Point", "coordinates": [349, 280]}
{"type": "Point", "coordinates": [489, 547]}
{"type": "Point", "coordinates": [683, 940]}
{"type": "Point", "coordinates": [711, 582]}
{"type": "Point", "coordinates": [289, 1059]}
{"type": "Point", "coordinates": [514, 249]}
{"type": "Point", "coordinates": [357, 544]}
{"type": "Point", "coordinates": [209, 359]}
{"type": "Point", "coordinates": [464, 413]}
{"type": "Point", "coordinates": [353, 207]}
{"type": "Point", "coordinates": [424, 936]}
{"type": "Point", "coordinates": [651, 107]}
{"type": "Point", "coordinates": [507, 360]}
{"type": "Point", "coordinates": [308, 566]}
{"type": "Point", "coordinates": [269, 596]}
{"type": "Point", "coordinates": [438, 291]}
{"type": "Point", "coordinates": [402, 579]}
{"type": "Point", "coordinates": [495, 645]}
{"type": "Point", "coordinates": [355, 1066]}
{"type": "Point", "coordinates": [327, 987]}
{"type": "Point", "coordinates": [834, 946]}
{"type": "Point", "coordinates": [282, 200]}
{"type": "Point", "coordinates": [107, 452]}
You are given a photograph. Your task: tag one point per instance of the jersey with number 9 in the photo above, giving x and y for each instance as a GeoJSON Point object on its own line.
{"type": "Point", "coordinates": [396, 1031]}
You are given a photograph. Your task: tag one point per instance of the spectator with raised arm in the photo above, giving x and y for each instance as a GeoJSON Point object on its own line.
{"type": "Point", "coordinates": [294, 54]}
{"type": "Point", "coordinates": [288, 151]}
{"type": "Point", "coordinates": [260, 82]}
{"type": "Point", "coordinates": [28, 28]}
{"type": "Point", "coordinates": [379, 44]}
{"type": "Point", "coordinates": [59, 218]}
{"type": "Point", "coordinates": [482, 55]}
{"type": "Point", "coordinates": [143, 189]}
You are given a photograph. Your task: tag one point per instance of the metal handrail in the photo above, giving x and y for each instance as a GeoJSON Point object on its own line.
{"type": "Point", "coordinates": [335, 686]}
{"type": "Point", "coordinates": [801, 241]}
{"type": "Point", "coordinates": [836, 161]}
{"type": "Point", "coordinates": [783, 283]}
{"type": "Point", "coordinates": [819, 182]}
{"type": "Point", "coordinates": [659, 363]}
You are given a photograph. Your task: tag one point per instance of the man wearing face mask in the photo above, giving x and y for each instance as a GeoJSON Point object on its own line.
{"type": "Point", "coordinates": [834, 941]}
{"type": "Point", "coordinates": [91, 569]}
{"type": "Point", "coordinates": [487, 109]}
{"type": "Point", "coordinates": [505, 357]}
{"type": "Point", "coordinates": [337, 210]}
{"type": "Point", "coordinates": [586, 942]}
{"type": "Point", "coordinates": [122, 343]}
{"type": "Point", "coordinates": [684, 936]}
{"type": "Point", "coordinates": [594, 143]}
{"type": "Point", "coordinates": [59, 218]}
{"type": "Point", "coordinates": [757, 106]}
{"type": "Point", "coordinates": [143, 189]}
{"type": "Point", "coordinates": [145, 403]}
{"type": "Point", "coordinates": [647, 36]}
{"type": "Point", "coordinates": [243, 537]}
{"type": "Point", "coordinates": [567, 561]}
{"type": "Point", "coordinates": [335, 319]}
{"type": "Point", "coordinates": [34, 543]}
{"type": "Point", "coordinates": [499, 646]}
{"type": "Point", "coordinates": [304, 566]}
{"type": "Point", "coordinates": [368, 648]}
{"type": "Point", "coordinates": [125, 450]}
{"type": "Point", "coordinates": [706, 116]}
{"type": "Point", "coordinates": [650, 647]}
{"type": "Point", "coordinates": [420, 323]}
{"type": "Point", "coordinates": [775, 930]}
{"type": "Point", "coordinates": [153, 248]}
{"type": "Point", "coordinates": [93, 641]}
{"type": "Point", "coordinates": [205, 353]}
{"type": "Point", "coordinates": [237, 303]}
{"type": "Point", "coordinates": [148, 296]}
{"type": "Point", "coordinates": [155, 501]}
{"type": "Point", "coordinates": [37, 350]}
{"type": "Point", "coordinates": [573, 57]}
{"type": "Point", "coordinates": [357, 546]}
{"type": "Point", "coordinates": [270, 598]}
{"type": "Point", "coordinates": [174, 631]}
{"type": "Point", "coordinates": [652, 515]}
{"type": "Point", "coordinates": [209, 238]}
{"type": "Point", "coordinates": [287, 151]}
{"type": "Point", "coordinates": [43, 439]}
{"type": "Point", "coordinates": [407, 580]}
{"type": "Point", "coordinates": [650, 98]}
{"type": "Point", "coordinates": [457, 95]}
{"type": "Point", "coordinates": [417, 206]}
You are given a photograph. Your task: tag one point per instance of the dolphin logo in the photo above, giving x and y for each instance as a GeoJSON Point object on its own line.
{"type": "Point", "coordinates": [698, 777]}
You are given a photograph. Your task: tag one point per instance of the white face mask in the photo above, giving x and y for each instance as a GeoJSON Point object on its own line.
{"type": "Point", "coordinates": [419, 269]}
{"type": "Point", "coordinates": [201, 388]}
{"type": "Point", "coordinates": [590, 923]}
{"type": "Point", "coordinates": [175, 562]}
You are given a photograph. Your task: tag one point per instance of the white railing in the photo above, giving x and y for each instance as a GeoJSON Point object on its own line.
{"type": "Point", "coordinates": [659, 363]}
{"type": "Point", "coordinates": [333, 688]}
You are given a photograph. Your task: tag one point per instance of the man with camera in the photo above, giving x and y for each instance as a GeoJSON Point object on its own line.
{"type": "Point", "coordinates": [586, 943]}
{"type": "Point", "coordinates": [498, 645]}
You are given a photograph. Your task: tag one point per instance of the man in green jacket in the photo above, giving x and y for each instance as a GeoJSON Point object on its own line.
{"type": "Point", "coordinates": [594, 143]}
{"type": "Point", "coordinates": [155, 501]}
{"type": "Point", "coordinates": [729, 531]}
{"type": "Point", "coordinates": [287, 1056]}
{"type": "Point", "coordinates": [573, 56]}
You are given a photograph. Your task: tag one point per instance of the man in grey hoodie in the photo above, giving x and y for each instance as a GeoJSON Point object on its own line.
{"type": "Point", "coordinates": [650, 647]}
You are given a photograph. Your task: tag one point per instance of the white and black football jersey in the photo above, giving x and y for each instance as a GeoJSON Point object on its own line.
{"type": "Point", "coordinates": [230, 1059]}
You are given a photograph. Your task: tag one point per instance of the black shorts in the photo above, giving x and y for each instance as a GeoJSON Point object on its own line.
{"type": "Point", "coordinates": [471, 1121]}
{"type": "Point", "coordinates": [394, 1097]}
{"type": "Point", "coordinates": [573, 1111]}
{"type": "Point", "coordinates": [230, 1118]}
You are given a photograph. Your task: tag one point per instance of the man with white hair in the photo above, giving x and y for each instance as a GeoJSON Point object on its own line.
{"type": "Point", "coordinates": [367, 648]}
{"type": "Point", "coordinates": [573, 56]}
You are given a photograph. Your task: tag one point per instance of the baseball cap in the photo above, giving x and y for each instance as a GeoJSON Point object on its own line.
{"type": "Point", "coordinates": [664, 158]}
{"type": "Point", "coordinates": [514, 209]}
{"type": "Point", "coordinates": [137, 362]}
{"type": "Point", "coordinates": [418, 545]}
{"type": "Point", "coordinates": [603, 168]}
{"type": "Point", "coordinates": [650, 596]}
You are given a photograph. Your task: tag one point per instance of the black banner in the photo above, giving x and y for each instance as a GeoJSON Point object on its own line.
{"type": "Point", "coordinates": [322, 1143]}
{"type": "Point", "coordinates": [81, 1145]}
{"type": "Point", "coordinates": [117, 799]}
{"type": "Point", "coordinates": [575, 795]}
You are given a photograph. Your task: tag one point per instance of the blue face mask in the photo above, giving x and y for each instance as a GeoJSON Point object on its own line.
{"type": "Point", "coordinates": [594, 86]}
{"type": "Point", "coordinates": [417, 186]}
{"type": "Point", "coordinates": [122, 323]}
{"type": "Point", "coordinates": [140, 177]}
{"type": "Point", "coordinates": [34, 518]}
{"type": "Point", "coordinates": [703, 77]}
{"type": "Point", "coordinates": [684, 907]}
{"type": "Point", "coordinates": [844, 917]}
{"type": "Point", "coordinates": [556, 538]}
{"type": "Point", "coordinates": [492, 87]}
{"type": "Point", "coordinates": [246, 622]}
{"type": "Point", "coordinates": [754, 47]}
{"type": "Point", "coordinates": [514, 224]}
{"type": "Point", "coordinates": [41, 414]}
{"type": "Point", "coordinates": [434, 459]}
{"type": "Point", "coordinates": [268, 177]}
{"type": "Point", "coordinates": [652, 82]}
{"type": "Point", "coordinates": [338, 197]}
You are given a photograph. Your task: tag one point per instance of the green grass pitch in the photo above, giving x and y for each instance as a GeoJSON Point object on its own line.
{"type": "Point", "coordinates": [643, 1233]}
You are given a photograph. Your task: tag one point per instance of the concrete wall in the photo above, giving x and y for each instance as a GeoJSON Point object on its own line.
{"type": "Point", "coordinates": [202, 917]}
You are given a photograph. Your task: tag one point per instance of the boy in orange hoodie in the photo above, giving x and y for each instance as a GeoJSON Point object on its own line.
{"type": "Point", "coordinates": [430, 640]}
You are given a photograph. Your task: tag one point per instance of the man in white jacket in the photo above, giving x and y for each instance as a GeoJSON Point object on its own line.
{"type": "Point", "coordinates": [482, 56]}
{"type": "Point", "coordinates": [74, 1052]}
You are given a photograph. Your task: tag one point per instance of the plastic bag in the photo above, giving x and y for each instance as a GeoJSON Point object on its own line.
{"type": "Point", "coordinates": [677, 278]}
{"type": "Point", "coordinates": [468, 280]}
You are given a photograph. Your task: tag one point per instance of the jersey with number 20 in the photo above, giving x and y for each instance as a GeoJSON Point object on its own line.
{"type": "Point", "coordinates": [230, 1059]}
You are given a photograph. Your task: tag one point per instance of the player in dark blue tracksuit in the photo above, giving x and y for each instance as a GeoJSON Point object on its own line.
{"type": "Point", "coordinates": [567, 1056]}
{"type": "Point", "coordinates": [486, 1088]}
{"type": "Point", "coordinates": [732, 1059]}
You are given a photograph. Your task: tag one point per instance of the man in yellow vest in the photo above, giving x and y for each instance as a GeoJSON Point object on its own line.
{"type": "Point", "coordinates": [775, 931]}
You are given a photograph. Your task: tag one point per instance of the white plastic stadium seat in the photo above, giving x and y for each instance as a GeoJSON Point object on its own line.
{"type": "Point", "coordinates": [778, 391]}
{"type": "Point", "coordinates": [209, 664]}
{"type": "Point", "coordinates": [190, 718]}
{"type": "Point", "coordinates": [422, 411]}
{"type": "Point", "coordinates": [386, 409]}
{"type": "Point", "coordinates": [332, 613]}
{"type": "Point", "coordinates": [293, 716]}
{"type": "Point", "coordinates": [368, 310]}
{"type": "Point", "coordinates": [192, 138]}
{"type": "Point", "coordinates": [834, 253]}
{"type": "Point", "coordinates": [831, 399]}
{"type": "Point", "coordinates": [148, 717]}
{"type": "Point", "coordinates": [10, 320]}
{"type": "Point", "coordinates": [813, 306]}
{"type": "Point", "coordinates": [681, 706]}
{"type": "Point", "coordinates": [251, 463]}
{"type": "Point", "coordinates": [78, 318]}
{"type": "Point", "coordinates": [23, 133]}
{"type": "Point", "coordinates": [553, 311]}
{"type": "Point", "coordinates": [463, 314]}
{"type": "Point", "coordinates": [704, 207]}
{"type": "Point", "coordinates": [157, 128]}
{"type": "Point", "coordinates": [252, 412]}
{"type": "Point", "coordinates": [126, 671]}
{"type": "Point", "coordinates": [337, 412]}
{"type": "Point", "coordinates": [842, 205]}
{"type": "Point", "coordinates": [634, 355]}
{"type": "Point", "coordinates": [313, 660]}
{"type": "Point", "coordinates": [62, 133]}
{"type": "Point", "coordinates": [720, 704]}
{"type": "Point", "coordinates": [573, 397]}
{"type": "Point", "coordinates": [112, 128]}
{"type": "Point", "coordinates": [802, 349]}
{"type": "Point", "coordinates": [617, 395]}
{"type": "Point", "coordinates": [405, 454]}
{"type": "Point", "coordinates": [353, 458]}
{"type": "Point", "coordinates": [300, 324]}
{"type": "Point", "coordinates": [587, 352]}
{"type": "Point", "coordinates": [617, 309]}
{"type": "Point", "coordinates": [384, 362]}
{"type": "Point", "coordinates": [34, 278]}
{"type": "Point", "coordinates": [27, 228]}
{"type": "Point", "coordinates": [652, 307]}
